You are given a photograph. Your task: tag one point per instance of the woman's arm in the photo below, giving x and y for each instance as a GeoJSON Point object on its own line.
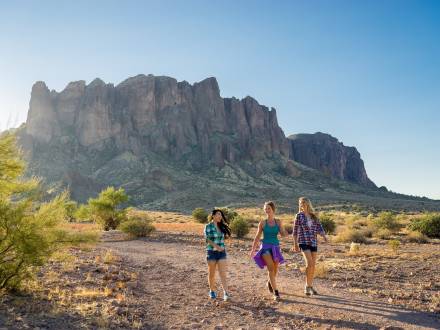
{"type": "Point", "coordinates": [257, 238]}
{"type": "Point", "coordinates": [295, 234]}
{"type": "Point", "coordinates": [322, 232]}
{"type": "Point", "coordinates": [215, 246]}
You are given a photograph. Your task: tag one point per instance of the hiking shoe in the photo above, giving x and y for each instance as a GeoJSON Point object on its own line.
{"type": "Point", "coordinates": [269, 286]}
{"type": "Point", "coordinates": [226, 297]}
{"type": "Point", "coordinates": [212, 294]}
{"type": "Point", "coordinates": [307, 291]}
{"type": "Point", "coordinates": [313, 291]}
{"type": "Point", "coordinates": [276, 295]}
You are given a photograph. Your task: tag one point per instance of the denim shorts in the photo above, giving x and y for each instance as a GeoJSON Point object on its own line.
{"type": "Point", "coordinates": [212, 255]}
{"type": "Point", "coordinates": [266, 251]}
{"type": "Point", "coordinates": [305, 247]}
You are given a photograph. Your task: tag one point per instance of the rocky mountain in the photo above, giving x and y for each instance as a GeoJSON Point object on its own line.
{"type": "Point", "coordinates": [326, 154]}
{"type": "Point", "coordinates": [173, 145]}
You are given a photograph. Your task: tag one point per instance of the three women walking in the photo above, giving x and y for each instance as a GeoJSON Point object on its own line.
{"type": "Point", "coordinates": [266, 250]}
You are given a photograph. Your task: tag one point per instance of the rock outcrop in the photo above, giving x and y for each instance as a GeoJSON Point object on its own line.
{"type": "Point", "coordinates": [325, 153]}
{"type": "Point", "coordinates": [190, 123]}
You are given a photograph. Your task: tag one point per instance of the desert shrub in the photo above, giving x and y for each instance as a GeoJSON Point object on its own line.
{"type": "Point", "coordinates": [416, 237]}
{"type": "Point", "coordinates": [200, 215]}
{"type": "Point", "coordinates": [386, 220]}
{"type": "Point", "coordinates": [394, 245]}
{"type": "Point", "coordinates": [428, 225]}
{"type": "Point", "coordinates": [137, 226]}
{"type": "Point", "coordinates": [70, 207]}
{"type": "Point", "coordinates": [82, 213]}
{"type": "Point", "coordinates": [383, 233]}
{"type": "Point", "coordinates": [239, 227]}
{"type": "Point", "coordinates": [321, 270]}
{"type": "Point", "coordinates": [355, 248]}
{"type": "Point", "coordinates": [327, 223]}
{"type": "Point", "coordinates": [104, 209]}
{"type": "Point", "coordinates": [367, 232]}
{"type": "Point", "coordinates": [30, 230]}
{"type": "Point", "coordinates": [351, 235]}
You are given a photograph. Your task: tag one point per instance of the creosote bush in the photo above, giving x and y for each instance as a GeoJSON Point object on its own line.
{"type": "Point", "coordinates": [200, 215]}
{"type": "Point", "coordinates": [137, 226]}
{"type": "Point", "coordinates": [327, 223]}
{"type": "Point", "coordinates": [104, 209]}
{"type": "Point", "coordinates": [239, 227]}
{"type": "Point", "coordinates": [428, 225]}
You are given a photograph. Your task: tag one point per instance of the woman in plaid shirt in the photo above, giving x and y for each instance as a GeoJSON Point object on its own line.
{"type": "Point", "coordinates": [305, 230]}
{"type": "Point", "coordinates": [215, 233]}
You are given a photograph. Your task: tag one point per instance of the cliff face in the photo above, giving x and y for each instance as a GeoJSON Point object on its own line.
{"type": "Point", "coordinates": [325, 153]}
{"type": "Point", "coordinates": [182, 121]}
{"type": "Point", "coordinates": [170, 143]}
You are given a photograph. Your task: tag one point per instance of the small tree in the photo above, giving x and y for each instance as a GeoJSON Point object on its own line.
{"type": "Point", "coordinates": [200, 215]}
{"type": "Point", "coordinates": [104, 209]}
{"type": "Point", "coordinates": [30, 231]}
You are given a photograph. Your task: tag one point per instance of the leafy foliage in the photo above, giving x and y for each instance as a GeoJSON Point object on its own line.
{"type": "Point", "coordinates": [428, 225]}
{"type": "Point", "coordinates": [200, 215]}
{"type": "Point", "coordinates": [137, 226]}
{"type": "Point", "coordinates": [327, 223]}
{"type": "Point", "coordinates": [239, 227]}
{"type": "Point", "coordinates": [104, 209]}
{"type": "Point", "coordinates": [30, 231]}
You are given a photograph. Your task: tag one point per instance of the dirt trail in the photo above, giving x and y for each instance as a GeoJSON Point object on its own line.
{"type": "Point", "coordinates": [174, 288]}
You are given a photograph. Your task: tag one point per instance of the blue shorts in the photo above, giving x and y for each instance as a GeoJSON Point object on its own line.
{"type": "Point", "coordinates": [305, 247]}
{"type": "Point", "coordinates": [212, 255]}
{"type": "Point", "coordinates": [266, 251]}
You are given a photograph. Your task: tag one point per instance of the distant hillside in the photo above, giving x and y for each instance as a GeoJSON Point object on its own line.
{"type": "Point", "coordinates": [173, 145]}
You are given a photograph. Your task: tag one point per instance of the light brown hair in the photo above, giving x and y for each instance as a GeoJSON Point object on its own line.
{"type": "Point", "coordinates": [271, 204]}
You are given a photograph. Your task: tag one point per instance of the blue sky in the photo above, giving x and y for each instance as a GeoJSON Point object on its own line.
{"type": "Point", "coordinates": [367, 72]}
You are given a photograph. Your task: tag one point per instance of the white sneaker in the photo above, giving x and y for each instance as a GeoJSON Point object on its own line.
{"type": "Point", "coordinates": [226, 297]}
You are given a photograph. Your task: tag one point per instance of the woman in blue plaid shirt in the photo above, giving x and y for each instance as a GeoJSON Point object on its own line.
{"type": "Point", "coordinates": [215, 233]}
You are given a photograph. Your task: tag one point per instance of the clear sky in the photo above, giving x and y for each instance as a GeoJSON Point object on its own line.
{"type": "Point", "coordinates": [367, 72]}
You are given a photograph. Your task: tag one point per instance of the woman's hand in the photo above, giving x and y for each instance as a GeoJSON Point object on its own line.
{"type": "Point", "coordinates": [295, 248]}
{"type": "Point", "coordinates": [219, 248]}
{"type": "Point", "coordinates": [252, 253]}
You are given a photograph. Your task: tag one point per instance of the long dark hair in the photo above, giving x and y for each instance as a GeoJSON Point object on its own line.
{"type": "Point", "coordinates": [224, 224]}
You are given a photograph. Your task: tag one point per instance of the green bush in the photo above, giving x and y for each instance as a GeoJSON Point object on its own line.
{"type": "Point", "coordinates": [394, 245]}
{"type": "Point", "coordinates": [104, 209]}
{"type": "Point", "coordinates": [71, 208]}
{"type": "Point", "coordinates": [200, 215]}
{"type": "Point", "coordinates": [30, 230]}
{"type": "Point", "coordinates": [82, 213]}
{"type": "Point", "coordinates": [386, 220]}
{"type": "Point", "coordinates": [137, 226]}
{"type": "Point", "coordinates": [239, 227]}
{"type": "Point", "coordinates": [428, 225]}
{"type": "Point", "coordinates": [328, 223]}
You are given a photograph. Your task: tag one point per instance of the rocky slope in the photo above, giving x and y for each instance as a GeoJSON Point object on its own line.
{"type": "Point", "coordinates": [325, 153]}
{"type": "Point", "coordinates": [173, 145]}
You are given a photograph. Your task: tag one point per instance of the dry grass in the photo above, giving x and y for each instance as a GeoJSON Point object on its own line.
{"type": "Point", "coordinates": [321, 270]}
{"type": "Point", "coordinates": [110, 258]}
{"type": "Point", "coordinates": [162, 216]}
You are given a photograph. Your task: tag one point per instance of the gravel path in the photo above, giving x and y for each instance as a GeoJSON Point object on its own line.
{"type": "Point", "coordinates": [172, 272]}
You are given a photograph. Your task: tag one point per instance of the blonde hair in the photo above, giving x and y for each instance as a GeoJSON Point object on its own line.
{"type": "Point", "coordinates": [308, 207]}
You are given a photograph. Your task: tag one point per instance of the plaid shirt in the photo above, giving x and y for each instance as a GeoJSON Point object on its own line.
{"type": "Point", "coordinates": [214, 235]}
{"type": "Point", "coordinates": [306, 235]}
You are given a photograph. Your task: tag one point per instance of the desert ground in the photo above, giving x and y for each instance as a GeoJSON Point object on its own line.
{"type": "Point", "coordinates": [160, 282]}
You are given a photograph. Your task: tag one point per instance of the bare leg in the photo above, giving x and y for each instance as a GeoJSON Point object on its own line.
{"type": "Point", "coordinates": [308, 259]}
{"type": "Point", "coordinates": [211, 274]}
{"type": "Point", "coordinates": [222, 268]}
{"type": "Point", "coordinates": [312, 268]}
{"type": "Point", "coordinates": [270, 269]}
